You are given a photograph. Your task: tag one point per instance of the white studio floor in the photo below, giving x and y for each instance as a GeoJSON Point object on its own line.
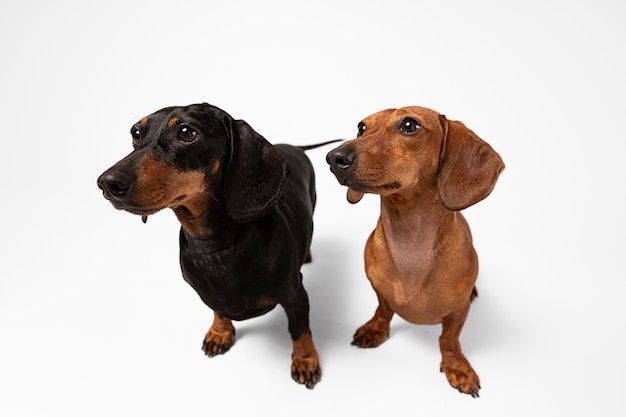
{"type": "Point", "coordinates": [95, 318]}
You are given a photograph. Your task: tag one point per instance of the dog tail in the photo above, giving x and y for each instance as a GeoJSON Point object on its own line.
{"type": "Point", "coordinates": [307, 147]}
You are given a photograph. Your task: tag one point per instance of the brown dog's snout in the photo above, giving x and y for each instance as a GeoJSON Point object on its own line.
{"type": "Point", "coordinates": [115, 184]}
{"type": "Point", "coordinates": [341, 158]}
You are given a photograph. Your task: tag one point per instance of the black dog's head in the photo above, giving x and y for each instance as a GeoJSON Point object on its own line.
{"type": "Point", "coordinates": [186, 157]}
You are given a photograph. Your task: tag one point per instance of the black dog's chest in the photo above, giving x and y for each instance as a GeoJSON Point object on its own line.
{"type": "Point", "coordinates": [231, 285]}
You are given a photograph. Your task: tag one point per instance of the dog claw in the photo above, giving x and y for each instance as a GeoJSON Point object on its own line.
{"type": "Point", "coordinates": [462, 379]}
{"type": "Point", "coordinates": [363, 344]}
{"type": "Point", "coordinates": [369, 340]}
{"type": "Point", "coordinates": [472, 392]}
{"type": "Point", "coordinates": [308, 379]}
{"type": "Point", "coordinates": [211, 350]}
{"type": "Point", "coordinates": [356, 342]}
{"type": "Point", "coordinates": [212, 346]}
{"type": "Point", "coordinates": [144, 219]}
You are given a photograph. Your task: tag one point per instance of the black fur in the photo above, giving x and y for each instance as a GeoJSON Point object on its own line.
{"type": "Point", "coordinates": [255, 233]}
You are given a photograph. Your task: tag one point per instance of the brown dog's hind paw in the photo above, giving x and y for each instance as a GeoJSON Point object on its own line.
{"type": "Point", "coordinates": [306, 371]}
{"type": "Point", "coordinates": [463, 378]}
{"type": "Point", "coordinates": [217, 343]}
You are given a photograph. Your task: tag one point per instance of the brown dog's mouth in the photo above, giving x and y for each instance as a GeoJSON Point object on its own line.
{"type": "Point", "coordinates": [370, 188]}
{"type": "Point", "coordinates": [354, 196]}
{"type": "Point", "coordinates": [356, 189]}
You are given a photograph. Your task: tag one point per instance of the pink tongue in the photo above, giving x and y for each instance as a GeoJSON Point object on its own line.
{"type": "Point", "coordinates": [354, 196]}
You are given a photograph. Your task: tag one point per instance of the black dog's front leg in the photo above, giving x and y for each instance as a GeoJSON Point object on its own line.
{"type": "Point", "coordinates": [220, 337]}
{"type": "Point", "coordinates": [305, 367]}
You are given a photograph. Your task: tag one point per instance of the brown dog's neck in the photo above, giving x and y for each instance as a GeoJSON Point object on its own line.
{"type": "Point", "coordinates": [414, 230]}
{"type": "Point", "coordinates": [410, 214]}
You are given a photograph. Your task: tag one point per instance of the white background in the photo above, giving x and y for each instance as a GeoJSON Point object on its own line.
{"type": "Point", "coordinates": [95, 319]}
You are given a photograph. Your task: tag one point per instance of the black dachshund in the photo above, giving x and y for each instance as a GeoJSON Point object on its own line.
{"type": "Point", "coordinates": [246, 210]}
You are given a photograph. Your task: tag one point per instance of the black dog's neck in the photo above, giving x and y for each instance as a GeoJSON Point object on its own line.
{"type": "Point", "coordinates": [206, 219]}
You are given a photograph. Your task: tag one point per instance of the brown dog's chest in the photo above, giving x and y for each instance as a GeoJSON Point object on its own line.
{"type": "Point", "coordinates": [422, 276]}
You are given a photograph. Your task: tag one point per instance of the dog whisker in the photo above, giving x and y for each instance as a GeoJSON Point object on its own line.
{"type": "Point", "coordinates": [215, 198]}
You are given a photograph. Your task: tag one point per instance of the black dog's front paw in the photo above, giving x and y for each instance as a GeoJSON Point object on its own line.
{"type": "Point", "coordinates": [218, 343]}
{"type": "Point", "coordinates": [305, 363]}
{"type": "Point", "coordinates": [306, 371]}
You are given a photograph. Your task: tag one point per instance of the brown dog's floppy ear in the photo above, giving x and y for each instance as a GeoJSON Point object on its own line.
{"type": "Point", "coordinates": [254, 175]}
{"type": "Point", "coordinates": [468, 167]}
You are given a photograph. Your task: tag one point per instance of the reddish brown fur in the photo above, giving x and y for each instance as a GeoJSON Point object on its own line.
{"type": "Point", "coordinates": [173, 121]}
{"type": "Point", "coordinates": [420, 259]}
{"type": "Point", "coordinates": [305, 360]}
{"type": "Point", "coordinates": [220, 337]}
{"type": "Point", "coordinates": [216, 167]}
{"type": "Point", "coordinates": [164, 186]}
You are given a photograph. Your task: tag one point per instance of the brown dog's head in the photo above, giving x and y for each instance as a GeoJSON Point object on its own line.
{"type": "Point", "coordinates": [186, 158]}
{"type": "Point", "coordinates": [414, 148]}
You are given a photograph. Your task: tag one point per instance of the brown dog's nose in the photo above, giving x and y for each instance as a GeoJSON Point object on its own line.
{"type": "Point", "coordinates": [115, 184]}
{"type": "Point", "coordinates": [341, 158]}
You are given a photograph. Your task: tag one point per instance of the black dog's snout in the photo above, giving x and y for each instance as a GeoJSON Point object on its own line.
{"type": "Point", "coordinates": [341, 158]}
{"type": "Point", "coordinates": [115, 184]}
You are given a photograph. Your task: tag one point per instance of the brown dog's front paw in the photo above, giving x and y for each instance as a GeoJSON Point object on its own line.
{"type": "Point", "coordinates": [217, 343]}
{"type": "Point", "coordinates": [369, 336]}
{"type": "Point", "coordinates": [306, 371]}
{"type": "Point", "coordinates": [462, 377]}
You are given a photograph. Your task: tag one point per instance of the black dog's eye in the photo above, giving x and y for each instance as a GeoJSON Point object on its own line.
{"type": "Point", "coordinates": [361, 128]}
{"type": "Point", "coordinates": [135, 133]}
{"type": "Point", "coordinates": [409, 126]}
{"type": "Point", "coordinates": [186, 134]}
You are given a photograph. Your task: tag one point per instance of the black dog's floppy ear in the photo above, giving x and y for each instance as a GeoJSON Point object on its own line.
{"type": "Point", "coordinates": [468, 167]}
{"type": "Point", "coordinates": [254, 175]}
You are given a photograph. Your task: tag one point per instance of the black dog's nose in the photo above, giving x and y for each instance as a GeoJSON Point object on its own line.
{"type": "Point", "coordinates": [341, 158]}
{"type": "Point", "coordinates": [115, 184]}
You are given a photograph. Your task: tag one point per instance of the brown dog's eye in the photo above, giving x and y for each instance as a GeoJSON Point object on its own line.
{"type": "Point", "coordinates": [361, 128]}
{"type": "Point", "coordinates": [409, 126]}
{"type": "Point", "coordinates": [186, 134]}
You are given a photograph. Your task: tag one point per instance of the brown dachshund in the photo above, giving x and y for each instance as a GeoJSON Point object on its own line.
{"type": "Point", "coordinates": [246, 211]}
{"type": "Point", "coordinates": [420, 258]}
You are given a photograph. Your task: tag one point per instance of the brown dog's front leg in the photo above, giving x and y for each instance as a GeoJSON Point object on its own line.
{"type": "Point", "coordinates": [375, 331]}
{"type": "Point", "coordinates": [220, 337]}
{"type": "Point", "coordinates": [457, 368]}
